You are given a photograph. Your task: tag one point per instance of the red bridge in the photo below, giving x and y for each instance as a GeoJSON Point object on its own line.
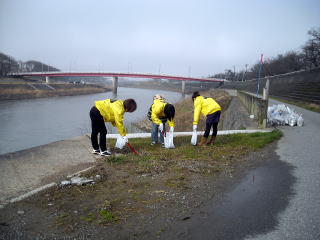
{"type": "Point", "coordinates": [115, 76]}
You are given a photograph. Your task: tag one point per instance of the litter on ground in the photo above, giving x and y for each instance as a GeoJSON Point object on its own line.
{"type": "Point", "coordinates": [77, 181]}
{"type": "Point", "coordinates": [280, 115]}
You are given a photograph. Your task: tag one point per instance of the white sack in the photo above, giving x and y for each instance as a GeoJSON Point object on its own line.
{"type": "Point", "coordinates": [194, 138]}
{"type": "Point", "coordinates": [120, 142]}
{"type": "Point", "coordinates": [283, 115]}
{"type": "Point", "coordinates": [168, 140]}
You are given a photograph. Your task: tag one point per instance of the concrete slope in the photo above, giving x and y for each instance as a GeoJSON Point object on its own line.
{"type": "Point", "coordinates": [23, 171]}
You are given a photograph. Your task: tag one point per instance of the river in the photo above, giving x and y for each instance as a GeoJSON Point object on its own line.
{"type": "Point", "coordinates": [33, 122]}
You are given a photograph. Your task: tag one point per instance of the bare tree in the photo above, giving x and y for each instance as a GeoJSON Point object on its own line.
{"type": "Point", "coordinates": [7, 64]}
{"type": "Point", "coordinates": [311, 49]}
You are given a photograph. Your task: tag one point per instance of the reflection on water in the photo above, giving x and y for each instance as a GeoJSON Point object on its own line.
{"type": "Point", "coordinates": [34, 122]}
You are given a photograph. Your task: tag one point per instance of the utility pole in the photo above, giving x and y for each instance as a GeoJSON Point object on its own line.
{"type": "Point", "coordinates": [244, 73]}
{"type": "Point", "coordinates": [260, 68]}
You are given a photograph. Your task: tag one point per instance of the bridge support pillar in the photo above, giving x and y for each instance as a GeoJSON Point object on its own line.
{"type": "Point", "coordinates": [183, 87]}
{"type": "Point", "coordinates": [47, 79]}
{"type": "Point", "coordinates": [115, 85]}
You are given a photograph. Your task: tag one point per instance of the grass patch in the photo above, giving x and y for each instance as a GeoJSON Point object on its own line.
{"type": "Point", "coordinates": [116, 159]}
{"type": "Point", "coordinates": [90, 217]}
{"type": "Point", "coordinates": [107, 216]}
{"type": "Point", "coordinates": [62, 219]}
{"type": "Point", "coordinates": [252, 140]}
{"type": "Point", "coordinates": [156, 158]}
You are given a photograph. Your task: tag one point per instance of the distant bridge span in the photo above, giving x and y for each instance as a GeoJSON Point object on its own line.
{"type": "Point", "coordinates": [115, 76]}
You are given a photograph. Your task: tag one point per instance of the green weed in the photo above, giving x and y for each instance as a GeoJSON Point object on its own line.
{"type": "Point", "coordinates": [107, 216]}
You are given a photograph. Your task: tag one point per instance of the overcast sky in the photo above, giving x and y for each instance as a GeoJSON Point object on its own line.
{"type": "Point", "coordinates": [182, 37]}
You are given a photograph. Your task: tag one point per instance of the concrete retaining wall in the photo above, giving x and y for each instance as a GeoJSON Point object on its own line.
{"type": "Point", "coordinates": [256, 106]}
{"type": "Point", "coordinates": [302, 85]}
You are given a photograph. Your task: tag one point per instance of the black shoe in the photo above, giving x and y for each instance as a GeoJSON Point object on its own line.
{"type": "Point", "coordinates": [105, 153]}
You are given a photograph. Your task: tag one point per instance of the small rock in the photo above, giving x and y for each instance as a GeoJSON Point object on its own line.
{"type": "Point", "coordinates": [159, 191]}
{"type": "Point", "coordinates": [98, 177]}
{"type": "Point", "coordinates": [75, 212]}
{"type": "Point", "coordinates": [50, 204]}
{"type": "Point", "coordinates": [107, 204]}
{"type": "Point", "coordinates": [20, 212]}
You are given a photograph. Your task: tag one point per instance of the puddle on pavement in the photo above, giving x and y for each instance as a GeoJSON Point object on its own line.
{"type": "Point", "coordinates": [251, 207]}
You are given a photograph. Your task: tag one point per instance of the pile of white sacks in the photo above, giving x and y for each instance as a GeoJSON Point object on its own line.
{"type": "Point", "coordinates": [279, 115]}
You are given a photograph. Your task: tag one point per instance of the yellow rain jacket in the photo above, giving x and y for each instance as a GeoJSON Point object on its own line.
{"type": "Point", "coordinates": [158, 111]}
{"type": "Point", "coordinates": [205, 106]}
{"type": "Point", "coordinates": [112, 112]}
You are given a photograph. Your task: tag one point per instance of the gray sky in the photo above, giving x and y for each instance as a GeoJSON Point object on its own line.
{"type": "Point", "coordinates": [199, 37]}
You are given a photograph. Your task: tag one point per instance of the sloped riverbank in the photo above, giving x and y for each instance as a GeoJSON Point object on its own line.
{"type": "Point", "coordinates": [16, 90]}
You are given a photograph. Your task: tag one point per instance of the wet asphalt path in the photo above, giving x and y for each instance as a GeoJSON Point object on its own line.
{"type": "Point", "coordinates": [279, 199]}
{"type": "Point", "coordinates": [300, 147]}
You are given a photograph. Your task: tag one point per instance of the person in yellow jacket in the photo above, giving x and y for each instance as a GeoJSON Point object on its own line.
{"type": "Point", "coordinates": [211, 109]}
{"type": "Point", "coordinates": [161, 112]}
{"type": "Point", "coordinates": [108, 111]}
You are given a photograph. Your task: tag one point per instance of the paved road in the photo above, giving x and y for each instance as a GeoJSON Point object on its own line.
{"type": "Point", "coordinates": [300, 147]}
{"type": "Point", "coordinates": [279, 199]}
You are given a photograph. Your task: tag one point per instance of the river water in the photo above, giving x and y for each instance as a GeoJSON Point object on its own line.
{"type": "Point", "coordinates": [33, 122]}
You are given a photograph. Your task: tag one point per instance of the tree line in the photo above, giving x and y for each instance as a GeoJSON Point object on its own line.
{"type": "Point", "coordinates": [307, 57]}
{"type": "Point", "coordinates": [9, 65]}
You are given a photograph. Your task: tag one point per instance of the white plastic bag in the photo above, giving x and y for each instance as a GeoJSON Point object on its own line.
{"type": "Point", "coordinates": [168, 140]}
{"type": "Point", "coordinates": [120, 142]}
{"type": "Point", "coordinates": [283, 115]}
{"type": "Point", "coordinates": [194, 138]}
{"type": "Point", "coordinates": [300, 121]}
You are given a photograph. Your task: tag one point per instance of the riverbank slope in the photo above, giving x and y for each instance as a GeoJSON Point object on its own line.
{"type": "Point", "coordinates": [15, 89]}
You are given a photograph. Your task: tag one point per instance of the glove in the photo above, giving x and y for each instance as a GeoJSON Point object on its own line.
{"type": "Point", "coordinates": [161, 127]}
{"type": "Point", "coordinates": [195, 127]}
{"type": "Point", "coordinates": [171, 129]}
{"type": "Point", "coordinates": [125, 139]}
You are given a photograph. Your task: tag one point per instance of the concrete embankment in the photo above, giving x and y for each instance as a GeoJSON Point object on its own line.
{"type": "Point", "coordinates": [24, 171]}
{"type": "Point", "coordinates": [29, 169]}
{"type": "Point", "coordinates": [297, 86]}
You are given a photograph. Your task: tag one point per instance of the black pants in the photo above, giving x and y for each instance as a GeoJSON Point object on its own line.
{"type": "Point", "coordinates": [212, 121]}
{"type": "Point", "coordinates": [98, 126]}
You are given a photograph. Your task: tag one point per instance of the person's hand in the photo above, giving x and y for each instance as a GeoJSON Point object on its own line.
{"type": "Point", "coordinates": [195, 127]}
{"type": "Point", "coordinates": [161, 127]}
{"type": "Point", "coordinates": [125, 139]}
{"type": "Point", "coordinates": [171, 129]}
